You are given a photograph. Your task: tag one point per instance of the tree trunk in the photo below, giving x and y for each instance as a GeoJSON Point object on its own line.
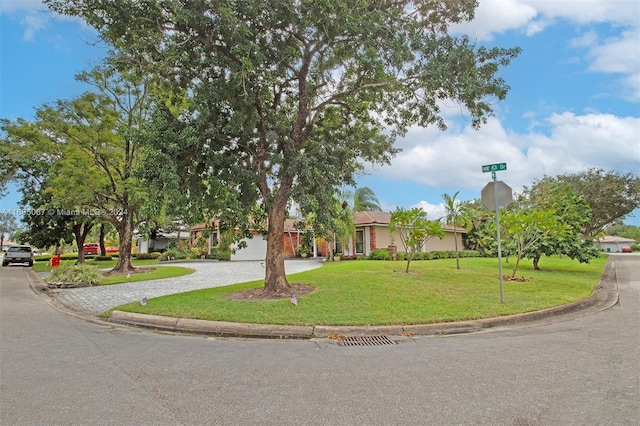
{"type": "Point", "coordinates": [455, 240]}
{"type": "Point", "coordinates": [515, 269]}
{"type": "Point", "coordinates": [80, 231]}
{"type": "Point", "coordinates": [103, 249]}
{"type": "Point", "coordinates": [125, 233]}
{"type": "Point", "coordinates": [275, 282]}
{"type": "Point", "coordinates": [535, 263]}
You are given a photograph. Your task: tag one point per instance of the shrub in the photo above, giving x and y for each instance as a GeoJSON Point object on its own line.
{"type": "Point", "coordinates": [380, 254]}
{"type": "Point", "coordinates": [102, 258]}
{"type": "Point", "coordinates": [220, 254]}
{"type": "Point", "coordinates": [80, 275]}
{"type": "Point", "coordinates": [173, 254]}
{"type": "Point", "coordinates": [144, 256]}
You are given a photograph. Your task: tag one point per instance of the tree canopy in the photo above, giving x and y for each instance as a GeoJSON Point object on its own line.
{"type": "Point", "coordinates": [414, 230]}
{"type": "Point", "coordinates": [290, 99]}
{"type": "Point", "coordinates": [611, 195]}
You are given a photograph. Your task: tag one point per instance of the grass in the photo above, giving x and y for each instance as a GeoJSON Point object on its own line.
{"type": "Point", "coordinates": [380, 293]}
{"type": "Point", "coordinates": [157, 272]}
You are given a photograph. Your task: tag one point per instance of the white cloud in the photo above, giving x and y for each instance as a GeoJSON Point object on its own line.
{"type": "Point", "coordinates": [570, 143]}
{"type": "Point", "coordinates": [617, 55]}
{"type": "Point", "coordinates": [496, 16]}
{"type": "Point", "coordinates": [434, 211]}
{"type": "Point", "coordinates": [32, 24]}
{"type": "Point", "coordinates": [622, 12]}
{"type": "Point", "coordinates": [33, 16]}
{"type": "Point", "coordinates": [532, 16]}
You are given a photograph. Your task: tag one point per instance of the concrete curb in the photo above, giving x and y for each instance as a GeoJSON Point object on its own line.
{"type": "Point", "coordinates": [604, 296]}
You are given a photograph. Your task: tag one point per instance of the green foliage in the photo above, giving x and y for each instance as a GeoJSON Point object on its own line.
{"type": "Point", "coordinates": [447, 254]}
{"type": "Point", "coordinates": [414, 230]}
{"type": "Point", "coordinates": [379, 254]}
{"type": "Point", "coordinates": [80, 274]}
{"type": "Point", "coordinates": [174, 254]}
{"type": "Point", "coordinates": [611, 195]}
{"type": "Point", "coordinates": [364, 199]}
{"type": "Point", "coordinates": [571, 210]}
{"type": "Point", "coordinates": [625, 231]}
{"type": "Point", "coordinates": [220, 253]}
{"type": "Point", "coordinates": [142, 256]}
{"type": "Point", "coordinates": [528, 227]}
{"type": "Point", "coordinates": [453, 218]}
{"type": "Point", "coordinates": [103, 258]}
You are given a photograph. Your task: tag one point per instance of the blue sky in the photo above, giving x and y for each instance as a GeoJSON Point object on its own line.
{"type": "Point", "coordinates": [574, 101]}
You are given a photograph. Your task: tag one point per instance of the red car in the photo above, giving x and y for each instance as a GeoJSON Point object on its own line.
{"type": "Point", "coordinates": [91, 248]}
{"type": "Point", "coordinates": [626, 250]}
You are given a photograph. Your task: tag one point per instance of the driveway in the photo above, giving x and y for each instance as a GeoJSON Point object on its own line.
{"type": "Point", "coordinates": [95, 300]}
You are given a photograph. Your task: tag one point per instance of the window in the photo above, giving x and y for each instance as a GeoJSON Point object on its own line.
{"type": "Point", "coordinates": [360, 242]}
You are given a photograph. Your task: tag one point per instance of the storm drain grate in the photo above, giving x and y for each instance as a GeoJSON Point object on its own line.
{"type": "Point", "coordinates": [366, 341]}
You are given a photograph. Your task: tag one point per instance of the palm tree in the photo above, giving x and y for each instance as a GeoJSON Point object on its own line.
{"type": "Point", "coordinates": [453, 217]}
{"type": "Point", "coordinates": [364, 199]}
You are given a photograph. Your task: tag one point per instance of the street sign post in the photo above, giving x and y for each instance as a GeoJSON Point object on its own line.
{"type": "Point", "coordinates": [500, 200]}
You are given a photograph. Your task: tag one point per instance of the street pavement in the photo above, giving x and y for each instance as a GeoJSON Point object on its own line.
{"type": "Point", "coordinates": [58, 370]}
{"type": "Point", "coordinates": [95, 300]}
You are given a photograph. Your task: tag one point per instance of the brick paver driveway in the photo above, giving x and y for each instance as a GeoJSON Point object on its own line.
{"type": "Point", "coordinates": [208, 274]}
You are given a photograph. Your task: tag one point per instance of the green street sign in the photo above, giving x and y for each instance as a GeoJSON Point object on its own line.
{"type": "Point", "coordinates": [494, 167]}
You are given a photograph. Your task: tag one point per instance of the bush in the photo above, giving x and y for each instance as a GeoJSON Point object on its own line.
{"type": "Point", "coordinates": [145, 256]}
{"type": "Point", "coordinates": [440, 254]}
{"type": "Point", "coordinates": [102, 258]}
{"type": "Point", "coordinates": [172, 254]}
{"type": "Point", "coordinates": [78, 275]}
{"type": "Point", "coordinates": [220, 254]}
{"type": "Point", "coordinates": [380, 254]}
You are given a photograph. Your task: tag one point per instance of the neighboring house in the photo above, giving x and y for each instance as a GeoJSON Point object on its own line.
{"type": "Point", "coordinates": [612, 244]}
{"type": "Point", "coordinates": [372, 232]}
{"type": "Point", "coordinates": [256, 246]}
{"type": "Point", "coordinates": [161, 242]}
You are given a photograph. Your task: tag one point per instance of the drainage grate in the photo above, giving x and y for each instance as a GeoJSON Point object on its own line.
{"type": "Point", "coordinates": [366, 341]}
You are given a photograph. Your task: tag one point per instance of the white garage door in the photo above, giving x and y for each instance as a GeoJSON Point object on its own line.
{"type": "Point", "coordinates": [256, 249]}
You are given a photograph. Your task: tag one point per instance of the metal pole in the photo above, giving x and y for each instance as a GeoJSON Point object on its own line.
{"type": "Point", "coordinates": [495, 200]}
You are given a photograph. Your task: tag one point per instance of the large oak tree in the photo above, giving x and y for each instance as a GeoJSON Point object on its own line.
{"type": "Point", "coordinates": [293, 96]}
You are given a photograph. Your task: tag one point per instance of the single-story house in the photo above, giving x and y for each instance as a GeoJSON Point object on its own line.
{"type": "Point", "coordinates": [372, 232]}
{"type": "Point", "coordinates": [256, 246]}
{"type": "Point", "coordinates": [614, 244]}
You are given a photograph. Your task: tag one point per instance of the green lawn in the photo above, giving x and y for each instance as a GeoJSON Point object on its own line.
{"type": "Point", "coordinates": [379, 293]}
{"type": "Point", "coordinates": [156, 271]}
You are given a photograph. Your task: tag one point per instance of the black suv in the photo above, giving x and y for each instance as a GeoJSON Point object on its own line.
{"type": "Point", "coordinates": [18, 254]}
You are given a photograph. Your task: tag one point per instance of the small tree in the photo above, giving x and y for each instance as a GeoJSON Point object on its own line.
{"type": "Point", "coordinates": [527, 227]}
{"type": "Point", "coordinates": [453, 218]}
{"type": "Point", "coordinates": [414, 230]}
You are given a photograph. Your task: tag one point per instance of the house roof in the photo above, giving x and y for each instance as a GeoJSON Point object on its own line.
{"type": "Point", "coordinates": [615, 239]}
{"type": "Point", "coordinates": [371, 217]}
{"type": "Point", "coordinates": [383, 218]}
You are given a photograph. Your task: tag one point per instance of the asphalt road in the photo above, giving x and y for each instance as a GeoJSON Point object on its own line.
{"type": "Point", "coordinates": [58, 369]}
